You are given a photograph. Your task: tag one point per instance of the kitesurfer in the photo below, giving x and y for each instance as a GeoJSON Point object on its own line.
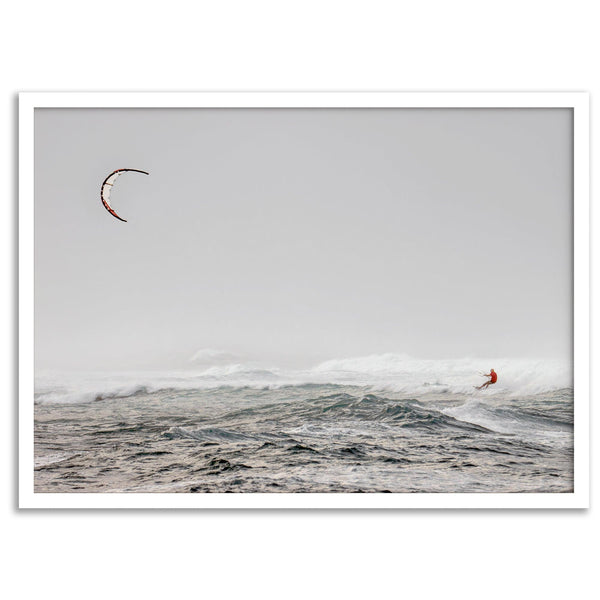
{"type": "Point", "coordinates": [493, 377]}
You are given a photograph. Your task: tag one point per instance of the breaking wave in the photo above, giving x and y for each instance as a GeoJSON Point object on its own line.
{"type": "Point", "coordinates": [397, 373]}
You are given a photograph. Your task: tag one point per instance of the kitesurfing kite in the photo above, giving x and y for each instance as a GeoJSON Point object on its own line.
{"type": "Point", "coordinates": [107, 186]}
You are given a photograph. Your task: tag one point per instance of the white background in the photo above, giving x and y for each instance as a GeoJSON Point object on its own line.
{"type": "Point", "coordinates": [324, 45]}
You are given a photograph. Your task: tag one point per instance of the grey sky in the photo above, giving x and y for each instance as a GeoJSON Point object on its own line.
{"type": "Point", "coordinates": [297, 235]}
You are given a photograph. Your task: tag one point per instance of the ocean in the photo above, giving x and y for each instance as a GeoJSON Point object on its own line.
{"type": "Point", "coordinates": [382, 423]}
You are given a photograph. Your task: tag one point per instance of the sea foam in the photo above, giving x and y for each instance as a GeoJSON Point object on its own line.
{"type": "Point", "coordinates": [397, 373]}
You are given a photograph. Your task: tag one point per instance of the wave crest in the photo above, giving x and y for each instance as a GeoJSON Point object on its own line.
{"type": "Point", "coordinates": [400, 372]}
{"type": "Point", "coordinates": [396, 373]}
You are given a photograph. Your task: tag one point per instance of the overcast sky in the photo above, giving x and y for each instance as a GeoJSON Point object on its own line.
{"type": "Point", "coordinates": [297, 235]}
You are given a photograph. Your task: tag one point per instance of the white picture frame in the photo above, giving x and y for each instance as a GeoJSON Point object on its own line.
{"type": "Point", "coordinates": [578, 102]}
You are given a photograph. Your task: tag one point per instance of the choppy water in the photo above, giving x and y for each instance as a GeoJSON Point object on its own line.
{"type": "Point", "coordinates": [305, 437]}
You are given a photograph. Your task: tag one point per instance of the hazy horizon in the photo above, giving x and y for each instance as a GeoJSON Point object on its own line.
{"type": "Point", "coordinates": [294, 236]}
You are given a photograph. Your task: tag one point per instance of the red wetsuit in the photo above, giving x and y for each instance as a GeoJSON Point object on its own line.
{"type": "Point", "coordinates": [494, 376]}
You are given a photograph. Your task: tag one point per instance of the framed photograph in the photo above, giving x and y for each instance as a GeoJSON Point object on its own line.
{"type": "Point", "coordinates": [303, 300]}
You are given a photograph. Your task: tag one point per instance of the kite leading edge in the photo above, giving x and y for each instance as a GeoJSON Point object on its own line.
{"type": "Point", "coordinates": [107, 187]}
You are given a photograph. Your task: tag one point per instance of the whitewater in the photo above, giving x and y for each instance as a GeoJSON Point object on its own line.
{"type": "Point", "coordinates": [381, 423]}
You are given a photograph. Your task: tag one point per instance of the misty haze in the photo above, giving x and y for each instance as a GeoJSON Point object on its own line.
{"type": "Point", "coordinates": [301, 235]}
